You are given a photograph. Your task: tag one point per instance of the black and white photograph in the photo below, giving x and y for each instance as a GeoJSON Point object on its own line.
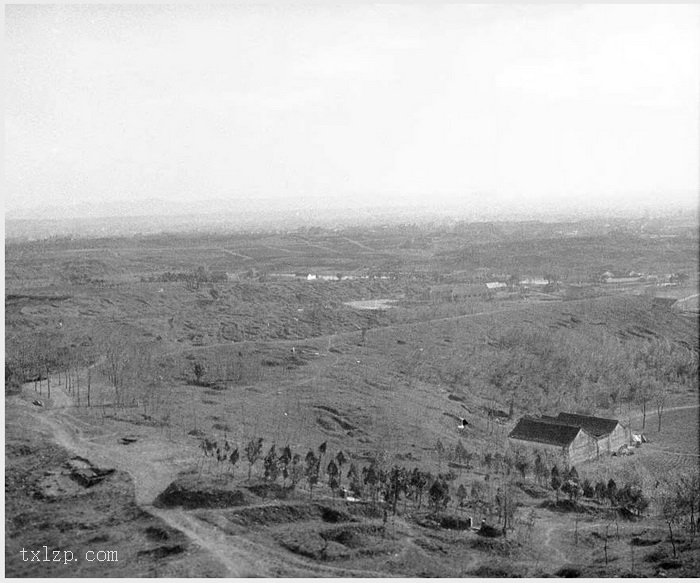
{"type": "Point", "coordinates": [351, 289]}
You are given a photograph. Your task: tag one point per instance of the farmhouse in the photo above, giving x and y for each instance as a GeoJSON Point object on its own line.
{"type": "Point", "coordinates": [569, 443]}
{"type": "Point", "coordinates": [610, 434]}
{"type": "Point", "coordinates": [575, 438]}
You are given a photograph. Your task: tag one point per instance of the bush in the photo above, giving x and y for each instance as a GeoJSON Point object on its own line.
{"type": "Point", "coordinates": [568, 571]}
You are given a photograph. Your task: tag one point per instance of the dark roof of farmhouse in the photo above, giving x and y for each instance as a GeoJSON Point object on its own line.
{"type": "Point", "coordinates": [596, 426]}
{"type": "Point", "coordinates": [546, 431]}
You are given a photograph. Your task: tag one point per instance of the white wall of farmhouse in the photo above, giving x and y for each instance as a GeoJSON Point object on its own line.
{"type": "Point", "coordinates": [582, 448]}
{"type": "Point", "coordinates": [615, 440]}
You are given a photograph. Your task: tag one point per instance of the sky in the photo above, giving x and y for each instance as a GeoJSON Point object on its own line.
{"type": "Point", "coordinates": [544, 106]}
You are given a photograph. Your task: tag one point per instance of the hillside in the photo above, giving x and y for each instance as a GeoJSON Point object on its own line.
{"type": "Point", "coordinates": [144, 362]}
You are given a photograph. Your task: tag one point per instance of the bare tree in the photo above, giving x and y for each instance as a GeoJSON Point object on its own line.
{"type": "Point", "coordinates": [253, 451]}
{"type": "Point", "coordinates": [660, 397]}
{"type": "Point", "coordinates": [312, 470]}
{"type": "Point", "coordinates": [116, 346]}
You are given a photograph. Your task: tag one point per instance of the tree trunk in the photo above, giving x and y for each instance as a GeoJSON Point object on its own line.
{"type": "Point", "coordinates": [605, 546]}
{"type": "Point", "coordinates": [673, 542]}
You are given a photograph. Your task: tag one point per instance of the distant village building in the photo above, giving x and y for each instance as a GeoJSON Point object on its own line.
{"type": "Point", "coordinates": [572, 438]}
{"type": "Point", "coordinates": [534, 282]}
{"type": "Point", "coordinates": [329, 277]}
{"type": "Point", "coordinates": [496, 285]}
{"type": "Point", "coordinates": [613, 278]}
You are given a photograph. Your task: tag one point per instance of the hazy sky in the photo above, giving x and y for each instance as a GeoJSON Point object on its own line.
{"type": "Point", "coordinates": [552, 105]}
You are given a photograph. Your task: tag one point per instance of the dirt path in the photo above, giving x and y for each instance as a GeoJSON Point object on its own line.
{"type": "Point", "coordinates": [360, 245]}
{"type": "Point", "coordinates": [153, 463]}
{"type": "Point", "coordinates": [555, 556]}
{"type": "Point", "coordinates": [651, 414]}
{"type": "Point", "coordinates": [336, 335]}
{"type": "Point", "coordinates": [234, 253]}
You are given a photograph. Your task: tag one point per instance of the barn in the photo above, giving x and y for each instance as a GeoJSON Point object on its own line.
{"type": "Point", "coordinates": [562, 441]}
{"type": "Point", "coordinates": [575, 438]}
{"type": "Point", "coordinates": [610, 434]}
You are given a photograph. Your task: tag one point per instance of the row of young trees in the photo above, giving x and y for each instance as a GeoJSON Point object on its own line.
{"type": "Point", "coordinates": [39, 358]}
{"type": "Point", "coordinates": [679, 502]}
{"type": "Point", "coordinates": [115, 352]}
{"type": "Point", "coordinates": [375, 481]}
{"type": "Point", "coordinates": [629, 497]}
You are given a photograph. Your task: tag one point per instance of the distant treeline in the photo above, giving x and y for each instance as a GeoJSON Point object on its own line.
{"type": "Point", "coordinates": [200, 275]}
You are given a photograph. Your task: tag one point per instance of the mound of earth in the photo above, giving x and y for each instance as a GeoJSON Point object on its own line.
{"type": "Point", "coordinates": [335, 542]}
{"type": "Point", "coordinates": [364, 509]}
{"type": "Point", "coordinates": [269, 490]}
{"type": "Point", "coordinates": [190, 493]}
{"type": "Point", "coordinates": [285, 513]}
{"type": "Point", "coordinates": [86, 474]}
{"type": "Point", "coordinates": [490, 531]}
{"type": "Point", "coordinates": [445, 520]}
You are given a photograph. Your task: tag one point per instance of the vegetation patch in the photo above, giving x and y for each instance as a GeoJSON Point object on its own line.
{"type": "Point", "coordinates": [334, 543]}
{"type": "Point", "coordinates": [445, 520]}
{"type": "Point", "coordinates": [564, 506]}
{"type": "Point", "coordinates": [188, 493]}
{"type": "Point", "coordinates": [568, 571]}
{"type": "Point", "coordinates": [162, 552]}
{"type": "Point", "coordinates": [157, 533]}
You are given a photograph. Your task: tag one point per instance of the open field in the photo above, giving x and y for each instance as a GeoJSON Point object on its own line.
{"type": "Point", "coordinates": [169, 351]}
